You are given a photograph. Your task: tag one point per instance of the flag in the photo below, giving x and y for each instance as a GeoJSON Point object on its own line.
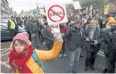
{"type": "Point", "coordinates": [106, 8]}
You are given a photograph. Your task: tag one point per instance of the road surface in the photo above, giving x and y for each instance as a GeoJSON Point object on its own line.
{"type": "Point", "coordinates": [57, 65]}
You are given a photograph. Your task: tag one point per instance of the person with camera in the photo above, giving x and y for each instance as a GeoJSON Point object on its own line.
{"type": "Point", "coordinates": [93, 40]}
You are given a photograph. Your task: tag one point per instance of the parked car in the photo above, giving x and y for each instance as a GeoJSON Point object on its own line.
{"type": "Point", "coordinates": [5, 33]}
{"type": "Point", "coordinates": [4, 20]}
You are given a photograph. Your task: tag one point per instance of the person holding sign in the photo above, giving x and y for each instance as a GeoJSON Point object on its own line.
{"type": "Point", "coordinates": [24, 59]}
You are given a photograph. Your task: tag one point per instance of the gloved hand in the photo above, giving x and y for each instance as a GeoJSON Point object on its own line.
{"type": "Point", "coordinates": [57, 34]}
{"type": "Point", "coordinates": [87, 39]}
{"type": "Point", "coordinates": [95, 42]}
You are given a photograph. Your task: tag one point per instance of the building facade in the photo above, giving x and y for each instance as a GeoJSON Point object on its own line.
{"type": "Point", "coordinates": [6, 11]}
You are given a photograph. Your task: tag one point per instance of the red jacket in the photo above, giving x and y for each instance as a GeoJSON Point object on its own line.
{"type": "Point", "coordinates": [64, 30]}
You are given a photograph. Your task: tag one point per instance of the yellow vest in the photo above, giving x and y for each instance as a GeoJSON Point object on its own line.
{"type": "Point", "coordinates": [12, 26]}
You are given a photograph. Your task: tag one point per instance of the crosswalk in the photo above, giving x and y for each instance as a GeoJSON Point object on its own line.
{"type": "Point", "coordinates": [6, 51]}
{"type": "Point", "coordinates": [101, 53]}
{"type": "Point", "coordinates": [5, 64]}
{"type": "Point", "coordinates": [5, 42]}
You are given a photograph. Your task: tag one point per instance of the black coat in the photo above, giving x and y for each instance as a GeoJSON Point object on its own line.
{"type": "Point", "coordinates": [34, 30]}
{"type": "Point", "coordinates": [32, 26]}
{"type": "Point", "coordinates": [104, 43]}
{"type": "Point", "coordinates": [74, 37]}
{"type": "Point", "coordinates": [96, 36]}
{"type": "Point", "coordinates": [48, 37]}
{"type": "Point", "coordinates": [108, 37]}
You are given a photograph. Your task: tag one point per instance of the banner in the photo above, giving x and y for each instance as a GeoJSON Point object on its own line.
{"type": "Point", "coordinates": [77, 5]}
{"type": "Point", "coordinates": [106, 8]}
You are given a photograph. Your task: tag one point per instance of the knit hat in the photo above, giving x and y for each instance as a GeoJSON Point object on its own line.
{"type": "Point", "coordinates": [22, 36]}
{"type": "Point", "coordinates": [111, 20]}
{"type": "Point", "coordinates": [26, 34]}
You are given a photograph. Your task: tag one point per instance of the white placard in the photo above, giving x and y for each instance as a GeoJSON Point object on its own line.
{"type": "Point", "coordinates": [56, 13]}
{"type": "Point", "coordinates": [77, 5]}
{"type": "Point", "coordinates": [91, 7]}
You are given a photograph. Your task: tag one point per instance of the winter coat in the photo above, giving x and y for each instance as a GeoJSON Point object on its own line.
{"type": "Point", "coordinates": [101, 23]}
{"type": "Point", "coordinates": [96, 36]}
{"type": "Point", "coordinates": [64, 30]}
{"type": "Point", "coordinates": [74, 37]}
{"type": "Point", "coordinates": [107, 38]}
{"type": "Point", "coordinates": [48, 37]}
{"type": "Point", "coordinates": [28, 28]}
{"type": "Point", "coordinates": [34, 32]}
{"type": "Point", "coordinates": [104, 44]}
{"type": "Point", "coordinates": [31, 65]}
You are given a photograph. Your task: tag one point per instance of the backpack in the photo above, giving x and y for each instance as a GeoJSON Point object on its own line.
{"type": "Point", "coordinates": [34, 55]}
{"type": "Point", "coordinates": [112, 40]}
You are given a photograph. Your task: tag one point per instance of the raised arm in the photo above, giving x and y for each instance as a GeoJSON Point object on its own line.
{"type": "Point", "coordinates": [47, 55]}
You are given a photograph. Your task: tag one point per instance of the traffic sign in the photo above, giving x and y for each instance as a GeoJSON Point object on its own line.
{"type": "Point", "coordinates": [56, 14]}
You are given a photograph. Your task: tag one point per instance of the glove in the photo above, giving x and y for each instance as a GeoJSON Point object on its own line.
{"type": "Point", "coordinates": [87, 39]}
{"type": "Point", "coordinates": [95, 42]}
{"type": "Point", "coordinates": [57, 34]}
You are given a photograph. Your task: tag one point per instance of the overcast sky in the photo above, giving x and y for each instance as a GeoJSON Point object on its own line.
{"type": "Point", "coordinates": [19, 5]}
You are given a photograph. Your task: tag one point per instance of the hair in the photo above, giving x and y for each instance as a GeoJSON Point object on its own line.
{"type": "Point", "coordinates": [12, 17]}
{"type": "Point", "coordinates": [94, 21]}
{"type": "Point", "coordinates": [78, 21]}
{"type": "Point", "coordinates": [21, 42]}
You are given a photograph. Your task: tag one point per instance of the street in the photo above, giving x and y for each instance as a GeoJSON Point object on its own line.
{"type": "Point", "coordinates": [57, 65]}
{"type": "Point", "coordinates": [80, 23]}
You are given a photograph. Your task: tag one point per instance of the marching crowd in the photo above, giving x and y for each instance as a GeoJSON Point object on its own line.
{"type": "Point", "coordinates": [83, 32]}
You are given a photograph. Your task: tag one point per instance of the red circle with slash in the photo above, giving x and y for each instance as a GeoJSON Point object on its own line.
{"type": "Point", "coordinates": [51, 9]}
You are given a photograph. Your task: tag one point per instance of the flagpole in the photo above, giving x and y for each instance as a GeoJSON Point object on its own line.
{"type": "Point", "coordinates": [36, 4]}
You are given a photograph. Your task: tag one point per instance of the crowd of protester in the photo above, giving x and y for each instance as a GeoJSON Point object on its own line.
{"type": "Point", "coordinates": [84, 32]}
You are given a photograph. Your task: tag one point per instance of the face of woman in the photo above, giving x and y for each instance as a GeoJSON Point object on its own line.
{"type": "Point", "coordinates": [93, 25]}
{"type": "Point", "coordinates": [19, 47]}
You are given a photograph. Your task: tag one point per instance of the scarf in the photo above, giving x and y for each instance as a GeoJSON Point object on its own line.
{"type": "Point", "coordinates": [18, 60]}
